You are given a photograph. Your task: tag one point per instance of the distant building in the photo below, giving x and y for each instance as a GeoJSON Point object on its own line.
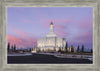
{"type": "Point", "coordinates": [51, 42]}
{"type": "Point", "coordinates": [34, 50]}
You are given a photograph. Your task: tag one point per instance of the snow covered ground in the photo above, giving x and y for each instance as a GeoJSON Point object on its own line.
{"type": "Point", "coordinates": [18, 54]}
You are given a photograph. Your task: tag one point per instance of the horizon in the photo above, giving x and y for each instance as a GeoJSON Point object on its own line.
{"type": "Point", "coordinates": [27, 24]}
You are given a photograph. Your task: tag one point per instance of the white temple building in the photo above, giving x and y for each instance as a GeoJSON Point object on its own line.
{"type": "Point", "coordinates": [51, 42]}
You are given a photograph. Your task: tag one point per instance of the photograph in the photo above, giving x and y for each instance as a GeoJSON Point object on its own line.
{"type": "Point", "coordinates": [49, 35]}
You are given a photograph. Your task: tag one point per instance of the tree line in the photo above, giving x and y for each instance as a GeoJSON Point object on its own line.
{"type": "Point", "coordinates": [13, 48]}
{"type": "Point", "coordinates": [78, 48]}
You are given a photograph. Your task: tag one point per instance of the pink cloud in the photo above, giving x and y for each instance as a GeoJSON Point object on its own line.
{"type": "Point", "coordinates": [61, 20]}
{"type": "Point", "coordinates": [14, 39]}
{"type": "Point", "coordinates": [46, 23]}
{"type": "Point", "coordinates": [84, 37]}
{"type": "Point", "coordinates": [59, 29]}
{"type": "Point", "coordinates": [21, 33]}
{"type": "Point", "coordinates": [61, 33]}
{"type": "Point", "coordinates": [59, 26]}
{"type": "Point", "coordinates": [21, 42]}
{"type": "Point", "coordinates": [85, 23]}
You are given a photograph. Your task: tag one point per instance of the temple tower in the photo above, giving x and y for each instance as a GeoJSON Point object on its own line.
{"type": "Point", "coordinates": [51, 33]}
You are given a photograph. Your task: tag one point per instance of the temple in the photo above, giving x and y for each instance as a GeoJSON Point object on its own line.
{"type": "Point", "coordinates": [51, 42]}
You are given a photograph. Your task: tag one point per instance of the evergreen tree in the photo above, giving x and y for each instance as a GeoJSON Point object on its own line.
{"type": "Point", "coordinates": [59, 49]}
{"type": "Point", "coordinates": [8, 47]}
{"type": "Point", "coordinates": [72, 49]}
{"type": "Point", "coordinates": [78, 49]}
{"type": "Point", "coordinates": [66, 47]}
{"type": "Point", "coordinates": [54, 48]}
{"type": "Point", "coordinates": [82, 49]}
{"type": "Point", "coordinates": [91, 50]}
{"type": "Point", "coordinates": [30, 50]}
{"type": "Point", "coordinates": [14, 48]}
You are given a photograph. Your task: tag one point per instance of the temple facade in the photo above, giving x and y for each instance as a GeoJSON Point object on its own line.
{"type": "Point", "coordinates": [51, 42]}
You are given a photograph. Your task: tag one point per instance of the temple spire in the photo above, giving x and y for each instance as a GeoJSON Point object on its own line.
{"type": "Point", "coordinates": [51, 23]}
{"type": "Point", "coordinates": [51, 33]}
{"type": "Point", "coordinates": [51, 27]}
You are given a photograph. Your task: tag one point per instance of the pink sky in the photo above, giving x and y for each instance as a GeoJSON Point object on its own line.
{"type": "Point", "coordinates": [27, 24]}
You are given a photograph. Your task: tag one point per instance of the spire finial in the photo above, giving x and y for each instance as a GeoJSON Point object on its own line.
{"type": "Point", "coordinates": [51, 23]}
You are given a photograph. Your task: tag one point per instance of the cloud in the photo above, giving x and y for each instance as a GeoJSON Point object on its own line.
{"type": "Point", "coordinates": [22, 41]}
{"type": "Point", "coordinates": [21, 33]}
{"type": "Point", "coordinates": [46, 22]}
{"type": "Point", "coordinates": [85, 23]}
{"type": "Point", "coordinates": [60, 26]}
{"type": "Point", "coordinates": [61, 33]}
{"type": "Point", "coordinates": [61, 21]}
{"type": "Point", "coordinates": [84, 37]}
